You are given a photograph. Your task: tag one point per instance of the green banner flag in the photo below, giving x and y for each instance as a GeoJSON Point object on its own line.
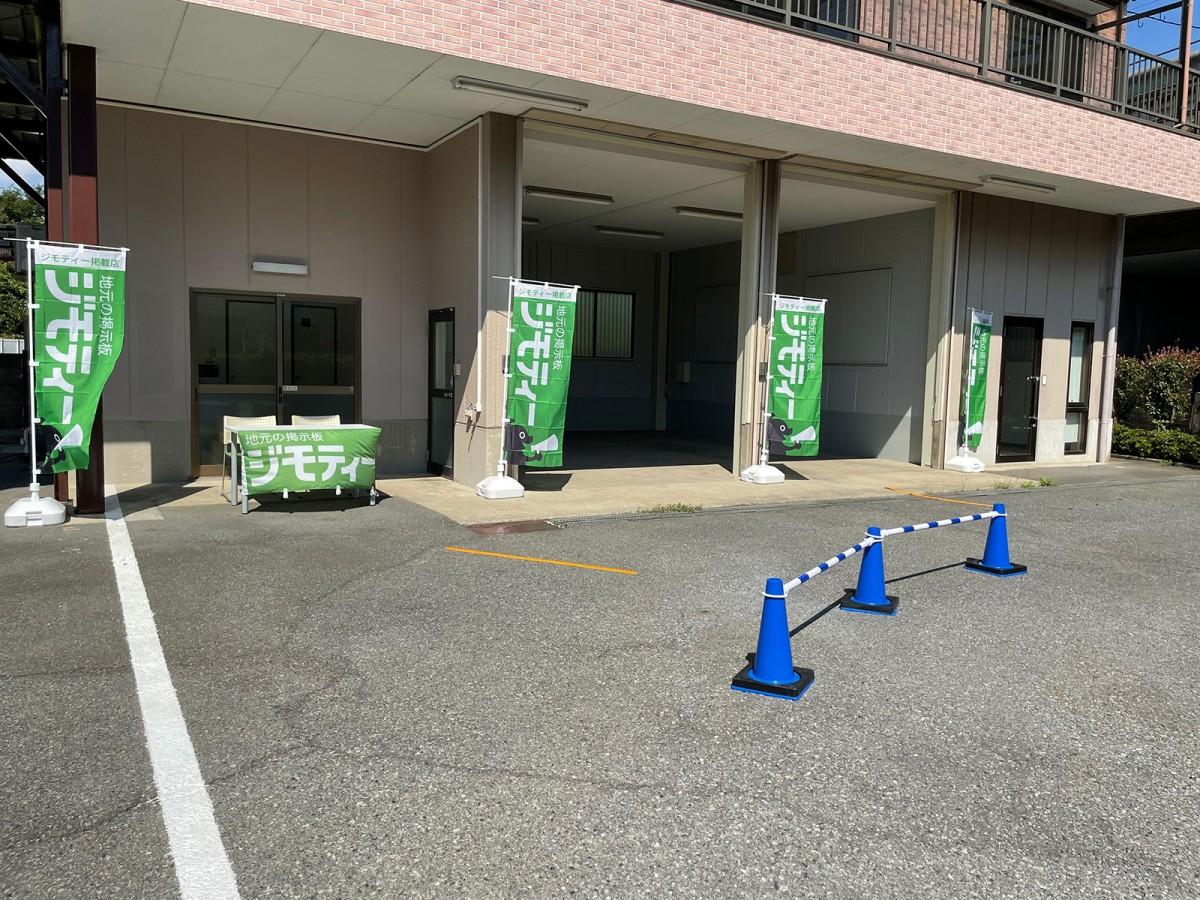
{"type": "Point", "coordinates": [975, 388]}
{"type": "Point", "coordinates": [291, 458]}
{"type": "Point", "coordinates": [794, 376]}
{"type": "Point", "coordinates": [79, 327]}
{"type": "Point", "coordinates": [539, 373]}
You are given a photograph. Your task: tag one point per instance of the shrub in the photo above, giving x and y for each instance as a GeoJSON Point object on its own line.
{"type": "Point", "coordinates": [1169, 445]}
{"type": "Point", "coordinates": [1128, 390]}
{"type": "Point", "coordinates": [1156, 391]}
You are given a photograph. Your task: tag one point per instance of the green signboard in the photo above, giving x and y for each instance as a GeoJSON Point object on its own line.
{"type": "Point", "coordinates": [975, 389]}
{"type": "Point", "coordinates": [539, 373]}
{"type": "Point", "coordinates": [291, 458]}
{"type": "Point", "coordinates": [79, 327]}
{"type": "Point", "coordinates": [794, 380]}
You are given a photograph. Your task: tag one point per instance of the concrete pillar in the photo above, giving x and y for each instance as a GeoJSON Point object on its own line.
{"type": "Point", "coordinates": [760, 246]}
{"type": "Point", "coordinates": [477, 448]}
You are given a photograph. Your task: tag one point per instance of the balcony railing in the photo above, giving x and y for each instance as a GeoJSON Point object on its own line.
{"type": "Point", "coordinates": [997, 42]}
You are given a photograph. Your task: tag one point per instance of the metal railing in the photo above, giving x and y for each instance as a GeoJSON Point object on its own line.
{"type": "Point", "coordinates": [998, 42]}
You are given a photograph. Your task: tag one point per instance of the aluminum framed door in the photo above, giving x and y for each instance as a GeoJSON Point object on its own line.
{"type": "Point", "coordinates": [269, 354]}
{"type": "Point", "coordinates": [319, 339]}
{"type": "Point", "coordinates": [440, 446]}
{"type": "Point", "coordinates": [235, 368]}
{"type": "Point", "coordinates": [1020, 386]}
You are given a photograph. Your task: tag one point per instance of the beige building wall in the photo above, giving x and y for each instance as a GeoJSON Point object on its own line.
{"type": "Point", "coordinates": [1018, 258]}
{"type": "Point", "coordinates": [196, 200]}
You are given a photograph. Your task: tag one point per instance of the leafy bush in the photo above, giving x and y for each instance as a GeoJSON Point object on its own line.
{"type": "Point", "coordinates": [1156, 391]}
{"type": "Point", "coordinates": [13, 310]}
{"type": "Point", "coordinates": [1169, 445]}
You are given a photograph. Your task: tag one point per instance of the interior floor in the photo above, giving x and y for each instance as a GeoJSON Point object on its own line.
{"type": "Point", "coordinates": [631, 449]}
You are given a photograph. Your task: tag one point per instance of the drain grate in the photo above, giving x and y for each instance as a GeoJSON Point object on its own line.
{"type": "Point", "coordinates": [523, 527]}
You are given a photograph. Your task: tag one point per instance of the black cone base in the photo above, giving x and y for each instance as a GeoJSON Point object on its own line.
{"type": "Point", "coordinates": [879, 609]}
{"type": "Point", "coordinates": [743, 681]}
{"type": "Point", "coordinates": [976, 565]}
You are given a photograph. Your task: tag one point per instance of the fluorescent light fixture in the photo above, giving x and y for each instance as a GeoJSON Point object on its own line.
{"type": "Point", "coordinates": [1001, 181]}
{"type": "Point", "coordinates": [512, 92]}
{"type": "Point", "coordinates": [530, 220]}
{"type": "Point", "coordinates": [275, 267]}
{"type": "Point", "coordinates": [573, 196]}
{"type": "Point", "coordinates": [630, 232]}
{"type": "Point", "coordinates": [699, 212]}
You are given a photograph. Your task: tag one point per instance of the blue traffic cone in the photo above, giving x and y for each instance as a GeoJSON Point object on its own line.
{"type": "Point", "coordinates": [769, 670]}
{"type": "Point", "coordinates": [870, 596]}
{"type": "Point", "coordinates": [995, 552]}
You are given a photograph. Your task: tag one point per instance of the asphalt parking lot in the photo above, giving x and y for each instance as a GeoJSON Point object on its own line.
{"type": "Point", "coordinates": [375, 715]}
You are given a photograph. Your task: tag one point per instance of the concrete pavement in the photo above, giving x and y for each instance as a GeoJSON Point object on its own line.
{"type": "Point", "coordinates": [376, 716]}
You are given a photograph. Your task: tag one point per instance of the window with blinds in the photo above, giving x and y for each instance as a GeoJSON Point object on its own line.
{"type": "Point", "coordinates": [603, 325]}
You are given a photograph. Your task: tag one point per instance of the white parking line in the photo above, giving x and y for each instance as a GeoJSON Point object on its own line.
{"type": "Point", "coordinates": [201, 865]}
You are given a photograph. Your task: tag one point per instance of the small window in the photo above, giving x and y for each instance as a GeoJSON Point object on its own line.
{"type": "Point", "coordinates": [1079, 384]}
{"type": "Point", "coordinates": [603, 325]}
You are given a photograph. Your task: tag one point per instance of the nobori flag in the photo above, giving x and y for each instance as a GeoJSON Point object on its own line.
{"type": "Point", "coordinates": [79, 327]}
{"type": "Point", "coordinates": [539, 373]}
{"type": "Point", "coordinates": [975, 390]}
{"type": "Point", "coordinates": [794, 376]}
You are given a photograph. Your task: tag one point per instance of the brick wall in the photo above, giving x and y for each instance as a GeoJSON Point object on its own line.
{"type": "Point", "coordinates": [678, 52]}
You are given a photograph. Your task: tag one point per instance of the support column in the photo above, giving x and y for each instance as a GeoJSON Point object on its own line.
{"type": "Point", "coordinates": [1108, 372]}
{"type": "Point", "coordinates": [55, 230]}
{"type": "Point", "coordinates": [499, 255]}
{"type": "Point", "coordinates": [941, 408]}
{"type": "Point", "coordinates": [83, 226]}
{"type": "Point", "coordinates": [760, 247]}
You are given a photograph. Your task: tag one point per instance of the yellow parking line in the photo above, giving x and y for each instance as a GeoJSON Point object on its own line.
{"type": "Point", "coordinates": [538, 559]}
{"type": "Point", "coordinates": [932, 497]}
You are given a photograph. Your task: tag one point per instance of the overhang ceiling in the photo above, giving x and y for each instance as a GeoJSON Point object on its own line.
{"type": "Point", "coordinates": [187, 57]}
{"type": "Point", "coordinates": [648, 181]}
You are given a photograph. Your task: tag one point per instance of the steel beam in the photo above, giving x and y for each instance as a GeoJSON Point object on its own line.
{"type": "Point", "coordinates": [19, 80]}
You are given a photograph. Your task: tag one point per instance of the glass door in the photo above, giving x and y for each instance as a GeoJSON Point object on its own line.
{"type": "Point", "coordinates": [235, 368]}
{"type": "Point", "coordinates": [320, 358]}
{"type": "Point", "coordinates": [1020, 380]}
{"type": "Point", "coordinates": [269, 355]}
{"type": "Point", "coordinates": [441, 391]}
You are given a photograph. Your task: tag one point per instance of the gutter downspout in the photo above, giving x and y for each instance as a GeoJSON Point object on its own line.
{"type": "Point", "coordinates": [1104, 439]}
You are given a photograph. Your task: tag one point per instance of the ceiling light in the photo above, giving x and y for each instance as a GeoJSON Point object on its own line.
{"type": "Point", "coordinates": [530, 220]}
{"type": "Point", "coordinates": [275, 267]}
{"type": "Point", "coordinates": [1001, 181]}
{"type": "Point", "coordinates": [512, 92]}
{"type": "Point", "coordinates": [576, 196]}
{"type": "Point", "coordinates": [630, 232]}
{"type": "Point", "coordinates": [699, 212]}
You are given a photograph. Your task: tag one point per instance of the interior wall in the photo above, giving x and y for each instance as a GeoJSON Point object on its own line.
{"type": "Point", "coordinates": [606, 394]}
{"type": "Point", "coordinates": [875, 273]}
{"type": "Point", "coordinates": [452, 233]}
{"type": "Point", "coordinates": [703, 341]}
{"type": "Point", "coordinates": [1018, 258]}
{"type": "Point", "coordinates": [197, 200]}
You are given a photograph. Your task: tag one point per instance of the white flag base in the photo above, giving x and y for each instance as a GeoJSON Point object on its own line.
{"type": "Point", "coordinates": [761, 474]}
{"type": "Point", "coordinates": [964, 462]}
{"type": "Point", "coordinates": [35, 510]}
{"type": "Point", "coordinates": [500, 487]}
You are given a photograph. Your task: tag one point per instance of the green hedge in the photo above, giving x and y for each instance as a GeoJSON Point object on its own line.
{"type": "Point", "coordinates": [1156, 390]}
{"type": "Point", "coordinates": [1169, 445]}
